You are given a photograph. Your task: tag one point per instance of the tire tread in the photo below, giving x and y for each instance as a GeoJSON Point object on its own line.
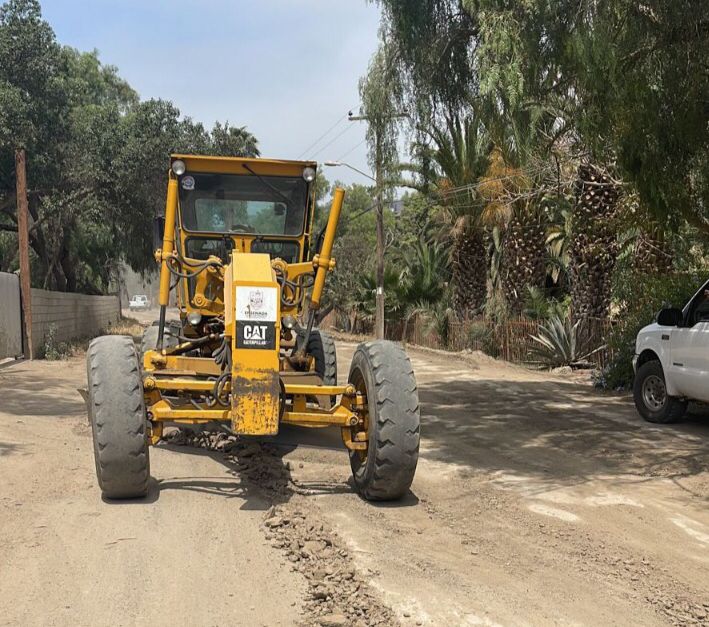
{"type": "Point", "coordinates": [394, 443]}
{"type": "Point", "coordinates": [117, 416]}
{"type": "Point", "coordinates": [675, 408]}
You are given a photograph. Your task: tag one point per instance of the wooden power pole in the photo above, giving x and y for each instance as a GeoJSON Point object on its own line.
{"type": "Point", "coordinates": [379, 299]}
{"type": "Point", "coordinates": [23, 239]}
{"type": "Point", "coordinates": [379, 185]}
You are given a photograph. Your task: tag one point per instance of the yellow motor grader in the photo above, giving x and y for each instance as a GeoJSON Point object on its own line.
{"type": "Point", "coordinates": [236, 244]}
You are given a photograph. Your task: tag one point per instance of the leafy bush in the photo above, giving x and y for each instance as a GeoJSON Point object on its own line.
{"type": "Point", "coordinates": [640, 297]}
{"type": "Point", "coordinates": [557, 343]}
{"type": "Point", "coordinates": [481, 336]}
{"type": "Point", "coordinates": [52, 349]}
{"type": "Point", "coordinates": [538, 306]}
{"type": "Point", "coordinates": [437, 318]}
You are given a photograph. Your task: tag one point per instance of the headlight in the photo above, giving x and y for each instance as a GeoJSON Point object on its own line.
{"type": "Point", "coordinates": [194, 318]}
{"type": "Point", "coordinates": [289, 322]}
{"type": "Point", "coordinates": [178, 167]}
{"type": "Point", "coordinates": [309, 174]}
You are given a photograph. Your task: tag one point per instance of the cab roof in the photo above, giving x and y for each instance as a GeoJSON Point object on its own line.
{"type": "Point", "coordinates": [234, 165]}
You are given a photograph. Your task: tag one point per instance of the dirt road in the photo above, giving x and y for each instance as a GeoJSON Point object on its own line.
{"type": "Point", "coordinates": [537, 501]}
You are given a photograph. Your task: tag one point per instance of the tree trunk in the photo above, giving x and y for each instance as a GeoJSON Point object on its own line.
{"type": "Point", "coordinates": [469, 272]}
{"type": "Point", "coordinates": [594, 245]}
{"type": "Point", "coordinates": [652, 255]}
{"type": "Point", "coordinates": [523, 258]}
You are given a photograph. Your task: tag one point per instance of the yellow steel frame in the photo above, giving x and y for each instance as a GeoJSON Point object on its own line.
{"type": "Point", "coordinates": [166, 372]}
{"type": "Point", "coordinates": [180, 374]}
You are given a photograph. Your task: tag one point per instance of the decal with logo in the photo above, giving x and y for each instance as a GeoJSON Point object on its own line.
{"type": "Point", "coordinates": [188, 182]}
{"type": "Point", "coordinates": [256, 314]}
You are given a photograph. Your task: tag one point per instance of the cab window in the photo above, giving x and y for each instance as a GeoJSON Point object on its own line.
{"type": "Point", "coordinates": [699, 307]}
{"type": "Point", "coordinates": [236, 203]}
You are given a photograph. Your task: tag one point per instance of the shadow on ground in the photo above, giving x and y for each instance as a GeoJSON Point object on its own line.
{"type": "Point", "coordinates": [42, 390]}
{"type": "Point", "coordinates": [554, 431]}
{"type": "Point", "coordinates": [259, 475]}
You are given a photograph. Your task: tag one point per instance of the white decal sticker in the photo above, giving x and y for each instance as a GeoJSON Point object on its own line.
{"type": "Point", "coordinates": [256, 304]}
{"type": "Point", "coordinates": [188, 182]}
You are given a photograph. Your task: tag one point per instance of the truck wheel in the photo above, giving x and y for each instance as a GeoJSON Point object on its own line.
{"type": "Point", "coordinates": [650, 395]}
{"type": "Point", "coordinates": [117, 416]}
{"type": "Point", "coordinates": [382, 373]}
{"type": "Point", "coordinates": [322, 347]}
{"type": "Point", "coordinates": [150, 338]}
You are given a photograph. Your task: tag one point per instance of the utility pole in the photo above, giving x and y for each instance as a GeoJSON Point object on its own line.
{"type": "Point", "coordinates": [23, 241]}
{"type": "Point", "coordinates": [379, 188]}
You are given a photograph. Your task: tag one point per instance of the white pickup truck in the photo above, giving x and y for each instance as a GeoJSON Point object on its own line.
{"type": "Point", "coordinates": [671, 361]}
{"type": "Point", "coordinates": [139, 302]}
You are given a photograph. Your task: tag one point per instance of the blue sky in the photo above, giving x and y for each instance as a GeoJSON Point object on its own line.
{"type": "Point", "coordinates": [287, 69]}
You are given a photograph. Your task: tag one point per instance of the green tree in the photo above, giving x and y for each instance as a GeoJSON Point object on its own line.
{"type": "Point", "coordinates": [96, 155]}
{"type": "Point", "coordinates": [624, 81]}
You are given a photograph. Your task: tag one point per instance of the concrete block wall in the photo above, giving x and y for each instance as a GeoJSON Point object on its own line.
{"type": "Point", "coordinates": [10, 316]}
{"type": "Point", "coordinates": [74, 315]}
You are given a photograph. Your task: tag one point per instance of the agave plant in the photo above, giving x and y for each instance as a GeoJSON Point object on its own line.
{"type": "Point", "coordinates": [557, 343]}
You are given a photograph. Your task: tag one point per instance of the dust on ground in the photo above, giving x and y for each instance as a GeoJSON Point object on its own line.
{"type": "Point", "coordinates": [536, 501]}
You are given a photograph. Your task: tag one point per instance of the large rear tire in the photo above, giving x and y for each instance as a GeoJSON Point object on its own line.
{"type": "Point", "coordinates": [382, 372]}
{"type": "Point", "coordinates": [650, 395]}
{"type": "Point", "coordinates": [322, 347]}
{"type": "Point", "coordinates": [118, 418]}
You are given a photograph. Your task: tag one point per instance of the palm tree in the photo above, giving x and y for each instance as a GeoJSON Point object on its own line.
{"type": "Point", "coordinates": [425, 272]}
{"type": "Point", "coordinates": [460, 155]}
{"type": "Point", "coordinates": [233, 141]}
{"type": "Point", "coordinates": [594, 246]}
{"type": "Point", "coordinates": [513, 212]}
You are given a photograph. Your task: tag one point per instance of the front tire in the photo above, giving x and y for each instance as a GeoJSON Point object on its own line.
{"type": "Point", "coordinates": [382, 372]}
{"type": "Point", "coordinates": [118, 418]}
{"type": "Point", "coordinates": [650, 395]}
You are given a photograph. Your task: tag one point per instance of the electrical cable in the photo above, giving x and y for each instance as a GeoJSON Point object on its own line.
{"type": "Point", "coordinates": [351, 150]}
{"type": "Point", "coordinates": [336, 137]}
{"type": "Point", "coordinates": [315, 143]}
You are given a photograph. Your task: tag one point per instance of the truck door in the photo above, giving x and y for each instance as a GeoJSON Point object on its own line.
{"type": "Point", "coordinates": [690, 349]}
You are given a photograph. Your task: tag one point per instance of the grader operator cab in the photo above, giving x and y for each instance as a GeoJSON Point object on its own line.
{"type": "Point", "coordinates": [238, 247]}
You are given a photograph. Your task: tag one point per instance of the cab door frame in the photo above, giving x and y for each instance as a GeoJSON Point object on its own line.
{"type": "Point", "coordinates": [689, 353]}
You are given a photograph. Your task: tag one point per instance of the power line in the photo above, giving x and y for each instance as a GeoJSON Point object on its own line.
{"type": "Point", "coordinates": [328, 131]}
{"type": "Point", "coordinates": [351, 150]}
{"type": "Point", "coordinates": [317, 141]}
{"type": "Point", "coordinates": [336, 137]}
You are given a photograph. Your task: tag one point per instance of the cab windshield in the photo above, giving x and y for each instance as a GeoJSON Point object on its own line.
{"type": "Point", "coordinates": [241, 203]}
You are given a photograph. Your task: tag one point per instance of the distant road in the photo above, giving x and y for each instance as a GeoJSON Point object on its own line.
{"type": "Point", "coordinates": [150, 315]}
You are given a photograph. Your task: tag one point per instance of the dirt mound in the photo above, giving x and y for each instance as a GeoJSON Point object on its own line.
{"type": "Point", "coordinates": [338, 595]}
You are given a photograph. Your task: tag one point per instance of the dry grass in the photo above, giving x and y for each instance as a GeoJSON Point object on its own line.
{"type": "Point", "coordinates": [126, 326]}
{"type": "Point", "coordinates": [53, 351]}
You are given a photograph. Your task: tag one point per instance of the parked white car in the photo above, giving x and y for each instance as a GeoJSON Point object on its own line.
{"type": "Point", "coordinates": [138, 302]}
{"type": "Point", "coordinates": [671, 361]}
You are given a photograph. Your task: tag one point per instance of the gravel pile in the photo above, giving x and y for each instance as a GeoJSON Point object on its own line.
{"type": "Point", "coordinates": [338, 594]}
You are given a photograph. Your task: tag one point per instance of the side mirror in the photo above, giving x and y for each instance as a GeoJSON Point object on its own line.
{"type": "Point", "coordinates": [670, 317]}
{"type": "Point", "coordinates": [158, 231]}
